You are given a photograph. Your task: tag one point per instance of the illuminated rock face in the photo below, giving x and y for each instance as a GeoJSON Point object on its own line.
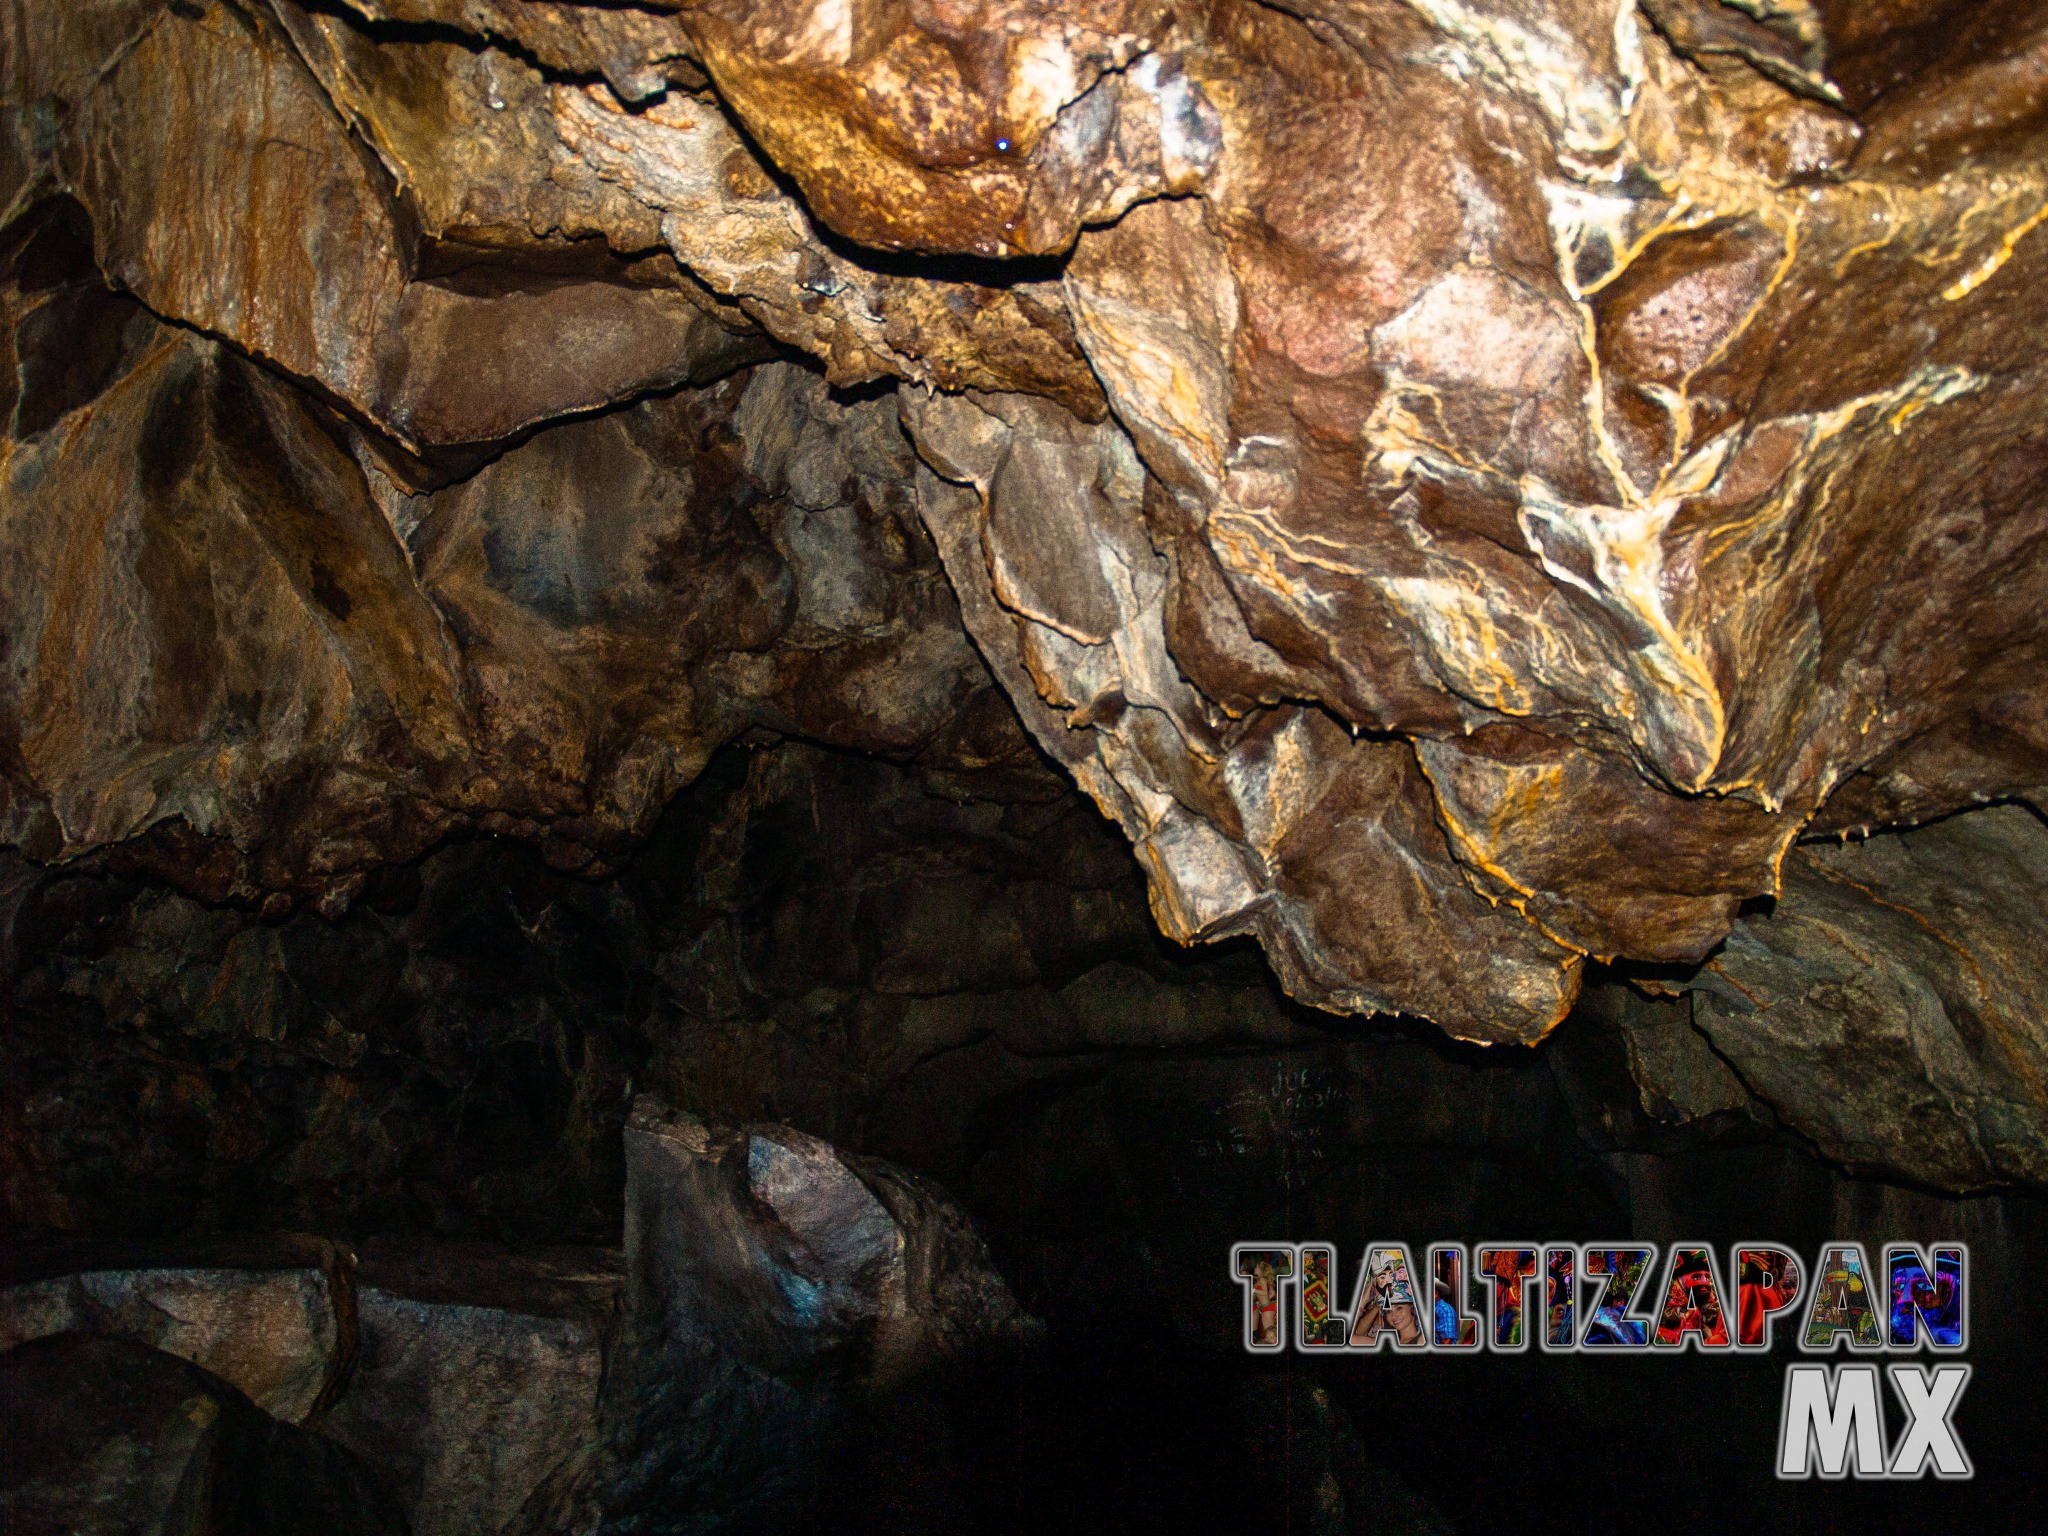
{"type": "Point", "coordinates": [1466, 484]}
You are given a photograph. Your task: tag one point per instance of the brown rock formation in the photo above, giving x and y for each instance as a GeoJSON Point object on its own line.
{"type": "Point", "coordinates": [1582, 458]}
{"type": "Point", "coordinates": [230, 621]}
{"type": "Point", "coordinates": [1895, 1006]}
{"type": "Point", "coordinates": [1466, 485]}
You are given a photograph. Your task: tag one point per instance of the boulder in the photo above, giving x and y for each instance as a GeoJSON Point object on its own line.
{"type": "Point", "coordinates": [270, 1316]}
{"type": "Point", "coordinates": [774, 1285]}
{"type": "Point", "coordinates": [477, 1374]}
{"type": "Point", "coordinates": [105, 1436]}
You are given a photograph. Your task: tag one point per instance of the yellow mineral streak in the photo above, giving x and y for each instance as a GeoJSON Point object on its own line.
{"type": "Point", "coordinates": [1669, 699]}
{"type": "Point", "coordinates": [1985, 270]}
{"type": "Point", "coordinates": [1623, 544]}
{"type": "Point", "coordinates": [1884, 221]}
{"type": "Point", "coordinates": [1480, 854]}
{"type": "Point", "coordinates": [1928, 386]}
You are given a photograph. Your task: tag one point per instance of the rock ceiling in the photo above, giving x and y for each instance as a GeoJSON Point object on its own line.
{"type": "Point", "coordinates": [1467, 485]}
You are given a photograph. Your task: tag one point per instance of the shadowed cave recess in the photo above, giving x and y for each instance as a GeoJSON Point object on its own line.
{"type": "Point", "coordinates": [725, 725]}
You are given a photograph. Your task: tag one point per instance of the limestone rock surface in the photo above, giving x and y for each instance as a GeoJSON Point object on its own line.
{"type": "Point", "coordinates": [1466, 485]}
{"type": "Point", "coordinates": [1593, 446]}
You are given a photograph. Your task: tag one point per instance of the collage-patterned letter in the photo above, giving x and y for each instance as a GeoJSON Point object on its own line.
{"type": "Point", "coordinates": [1620, 1271]}
{"type": "Point", "coordinates": [1320, 1327]}
{"type": "Point", "coordinates": [1451, 1325]}
{"type": "Point", "coordinates": [1264, 1270]}
{"type": "Point", "coordinates": [1933, 1294]}
{"type": "Point", "coordinates": [1386, 1305]}
{"type": "Point", "coordinates": [1511, 1269]}
{"type": "Point", "coordinates": [1692, 1311]}
{"type": "Point", "coordinates": [1841, 1302]}
{"type": "Point", "coordinates": [1768, 1281]}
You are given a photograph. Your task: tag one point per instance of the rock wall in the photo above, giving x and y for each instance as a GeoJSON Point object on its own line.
{"type": "Point", "coordinates": [955, 983]}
